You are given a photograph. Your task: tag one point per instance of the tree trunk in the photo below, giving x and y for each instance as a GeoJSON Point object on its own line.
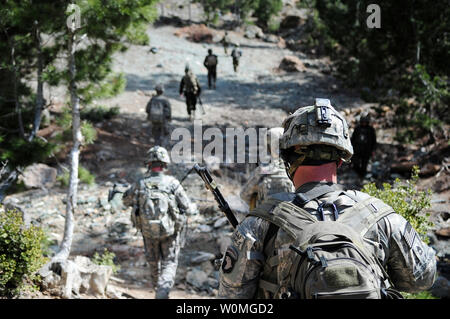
{"type": "Point", "coordinates": [71, 203]}
{"type": "Point", "coordinates": [15, 88]}
{"type": "Point", "coordinates": [40, 87]}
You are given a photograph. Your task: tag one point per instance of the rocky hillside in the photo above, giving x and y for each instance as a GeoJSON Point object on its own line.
{"type": "Point", "coordinates": [272, 81]}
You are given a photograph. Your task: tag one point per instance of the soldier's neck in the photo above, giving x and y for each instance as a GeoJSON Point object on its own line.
{"type": "Point", "coordinates": [321, 173]}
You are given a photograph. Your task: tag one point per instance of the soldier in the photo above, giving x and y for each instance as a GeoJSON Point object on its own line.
{"type": "Point", "coordinates": [160, 205]}
{"type": "Point", "coordinates": [267, 179]}
{"type": "Point", "coordinates": [236, 55]}
{"type": "Point", "coordinates": [225, 41]}
{"type": "Point", "coordinates": [364, 141]}
{"type": "Point", "coordinates": [211, 64]}
{"type": "Point", "coordinates": [190, 86]}
{"type": "Point", "coordinates": [159, 113]}
{"type": "Point", "coordinates": [323, 241]}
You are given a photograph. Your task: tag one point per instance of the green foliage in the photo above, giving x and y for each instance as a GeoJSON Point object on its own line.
{"type": "Point", "coordinates": [20, 152]}
{"type": "Point", "coordinates": [263, 10]}
{"type": "Point", "coordinates": [99, 113]}
{"type": "Point", "coordinates": [406, 200]}
{"type": "Point", "coordinates": [64, 120]}
{"type": "Point", "coordinates": [88, 131]}
{"type": "Point", "coordinates": [106, 258]}
{"type": "Point", "coordinates": [21, 252]}
{"type": "Point", "coordinates": [83, 175]}
{"type": "Point", "coordinates": [422, 109]}
{"type": "Point", "coordinates": [108, 27]}
{"type": "Point", "coordinates": [419, 295]}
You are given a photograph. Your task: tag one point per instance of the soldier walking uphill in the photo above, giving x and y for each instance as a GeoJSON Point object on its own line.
{"type": "Point", "coordinates": [323, 241]}
{"type": "Point", "coordinates": [270, 178]}
{"type": "Point", "coordinates": [226, 42]}
{"type": "Point", "coordinates": [160, 205]}
{"type": "Point", "coordinates": [364, 141]}
{"type": "Point", "coordinates": [210, 63]}
{"type": "Point", "coordinates": [159, 113]}
{"type": "Point", "coordinates": [236, 55]}
{"type": "Point", "coordinates": [190, 86]}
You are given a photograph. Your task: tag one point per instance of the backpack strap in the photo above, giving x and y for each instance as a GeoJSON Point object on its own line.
{"type": "Point", "coordinates": [285, 215]}
{"type": "Point", "coordinates": [370, 211]}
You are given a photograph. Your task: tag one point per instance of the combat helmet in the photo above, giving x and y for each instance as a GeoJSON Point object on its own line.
{"type": "Point", "coordinates": [159, 89]}
{"type": "Point", "coordinates": [157, 154]}
{"type": "Point", "coordinates": [314, 135]}
{"type": "Point", "coordinates": [365, 118]}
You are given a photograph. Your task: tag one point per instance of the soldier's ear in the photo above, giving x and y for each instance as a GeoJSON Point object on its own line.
{"type": "Point", "coordinates": [339, 163]}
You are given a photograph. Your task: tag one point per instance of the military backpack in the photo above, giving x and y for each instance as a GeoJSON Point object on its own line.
{"type": "Point", "coordinates": [158, 213]}
{"type": "Point", "coordinates": [327, 259]}
{"type": "Point", "coordinates": [211, 61]}
{"type": "Point", "coordinates": [190, 83]}
{"type": "Point", "coordinates": [155, 110]}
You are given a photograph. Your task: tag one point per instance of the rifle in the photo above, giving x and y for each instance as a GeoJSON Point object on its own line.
{"type": "Point", "coordinates": [201, 105]}
{"type": "Point", "coordinates": [212, 186]}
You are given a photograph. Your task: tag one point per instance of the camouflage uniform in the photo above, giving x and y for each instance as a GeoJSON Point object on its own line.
{"type": "Point", "coordinates": [191, 93]}
{"type": "Point", "coordinates": [161, 254]}
{"type": "Point", "coordinates": [236, 55]}
{"type": "Point", "coordinates": [267, 179]}
{"type": "Point", "coordinates": [364, 141]}
{"type": "Point", "coordinates": [225, 41]}
{"type": "Point", "coordinates": [247, 269]}
{"type": "Point", "coordinates": [210, 63]}
{"type": "Point", "coordinates": [160, 122]}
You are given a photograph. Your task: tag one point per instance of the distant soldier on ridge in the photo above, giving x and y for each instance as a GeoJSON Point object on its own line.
{"type": "Point", "coordinates": [190, 87]}
{"type": "Point", "coordinates": [236, 55]}
{"type": "Point", "coordinates": [364, 141]}
{"type": "Point", "coordinates": [210, 63]}
{"type": "Point", "coordinates": [159, 113]}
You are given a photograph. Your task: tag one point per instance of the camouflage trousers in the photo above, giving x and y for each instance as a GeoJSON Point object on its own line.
{"type": "Point", "coordinates": [191, 102]}
{"type": "Point", "coordinates": [162, 256]}
{"type": "Point", "coordinates": [160, 132]}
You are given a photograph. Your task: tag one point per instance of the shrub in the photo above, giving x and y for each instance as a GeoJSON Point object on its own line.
{"type": "Point", "coordinates": [21, 252]}
{"type": "Point", "coordinates": [106, 258]}
{"type": "Point", "coordinates": [99, 113]}
{"type": "Point", "coordinates": [83, 174]}
{"type": "Point", "coordinates": [406, 200]}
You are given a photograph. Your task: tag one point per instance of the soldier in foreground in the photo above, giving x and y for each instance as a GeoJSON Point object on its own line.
{"type": "Point", "coordinates": [364, 141]}
{"type": "Point", "coordinates": [159, 113]}
{"type": "Point", "coordinates": [270, 178]}
{"type": "Point", "coordinates": [323, 241]}
{"type": "Point", "coordinates": [210, 63]}
{"type": "Point", "coordinates": [190, 86]}
{"type": "Point", "coordinates": [160, 205]}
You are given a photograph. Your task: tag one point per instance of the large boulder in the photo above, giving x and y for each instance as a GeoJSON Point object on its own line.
{"type": "Point", "coordinates": [81, 275]}
{"type": "Point", "coordinates": [197, 278]}
{"type": "Point", "coordinates": [38, 176]}
{"type": "Point", "coordinates": [252, 32]}
{"type": "Point", "coordinates": [291, 63]}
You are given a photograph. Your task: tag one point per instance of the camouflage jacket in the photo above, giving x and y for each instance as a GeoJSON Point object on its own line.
{"type": "Point", "coordinates": [167, 110]}
{"type": "Point", "coordinates": [266, 180]}
{"type": "Point", "coordinates": [409, 262]}
{"type": "Point", "coordinates": [167, 183]}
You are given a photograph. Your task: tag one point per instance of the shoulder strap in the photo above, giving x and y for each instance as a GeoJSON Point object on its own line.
{"type": "Point", "coordinates": [285, 215]}
{"type": "Point", "coordinates": [370, 211]}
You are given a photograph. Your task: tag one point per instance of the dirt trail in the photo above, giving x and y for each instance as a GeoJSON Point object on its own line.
{"type": "Point", "coordinates": [259, 95]}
